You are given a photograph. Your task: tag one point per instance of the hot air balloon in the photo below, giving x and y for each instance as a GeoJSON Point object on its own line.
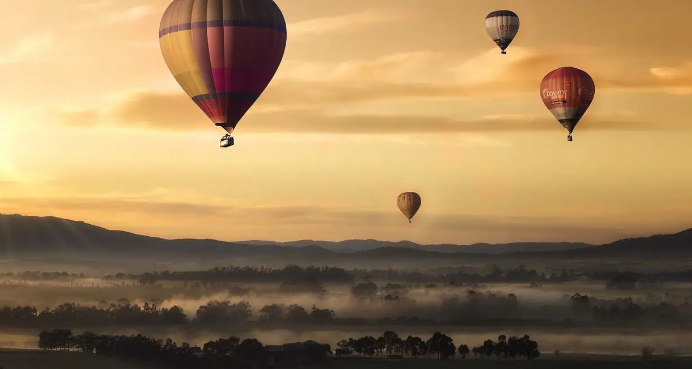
{"type": "Point", "coordinates": [567, 92]}
{"type": "Point", "coordinates": [408, 203]}
{"type": "Point", "coordinates": [223, 53]}
{"type": "Point", "coordinates": [502, 26]}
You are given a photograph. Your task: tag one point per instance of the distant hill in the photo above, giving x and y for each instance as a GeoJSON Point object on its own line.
{"type": "Point", "coordinates": [476, 248]}
{"type": "Point", "coordinates": [26, 236]}
{"type": "Point", "coordinates": [50, 237]}
{"type": "Point", "coordinates": [667, 245]}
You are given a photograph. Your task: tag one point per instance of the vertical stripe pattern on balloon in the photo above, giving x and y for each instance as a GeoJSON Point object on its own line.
{"type": "Point", "coordinates": [223, 53]}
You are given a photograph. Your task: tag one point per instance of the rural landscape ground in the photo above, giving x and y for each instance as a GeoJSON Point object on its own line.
{"type": "Point", "coordinates": [32, 359]}
{"type": "Point", "coordinates": [105, 306]}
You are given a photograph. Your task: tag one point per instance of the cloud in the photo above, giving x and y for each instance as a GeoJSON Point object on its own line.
{"type": "Point", "coordinates": [176, 204]}
{"type": "Point", "coordinates": [175, 112]}
{"type": "Point", "coordinates": [683, 72]}
{"type": "Point", "coordinates": [31, 48]}
{"type": "Point", "coordinates": [444, 72]}
{"type": "Point", "coordinates": [302, 98]}
{"type": "Point", "coordinates": [132, 14]}
{"type": "Point", "coordinates": [677, 79]}
{"type": "Point", "coordinates": [92, 5]}
{"type": "Point", "coordinates": [350, 21]}
{"type": "Point", "coordinates": [311, 86]}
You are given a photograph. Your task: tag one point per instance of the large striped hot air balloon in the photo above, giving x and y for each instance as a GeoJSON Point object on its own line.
{"type": "Point", "coordinates": [502, 26]}
{"type": "Point", "coordinates": [568, 92]}
{"type": "Point", "coordinates": [223, 53]}
{"type": "Point", "coordinates": [408, 203]}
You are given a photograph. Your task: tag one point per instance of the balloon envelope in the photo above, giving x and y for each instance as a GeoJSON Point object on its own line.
{"type": "Point", "coordinates": [502, 26]}
{"type": "Point", "coordinates": [408, 203]}
{"type": "Point", "coordinates": [567, 92]}
{"type": "Point", "coordinates": [223, 53]}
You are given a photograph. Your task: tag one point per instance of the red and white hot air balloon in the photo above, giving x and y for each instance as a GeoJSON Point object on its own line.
{"type": "Point", "coordinates": [567, 92]}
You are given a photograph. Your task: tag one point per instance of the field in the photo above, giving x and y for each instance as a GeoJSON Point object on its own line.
{"type": "Point", "coordinates": [33, 359]}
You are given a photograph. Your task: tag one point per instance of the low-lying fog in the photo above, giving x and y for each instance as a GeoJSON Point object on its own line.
{"type": "Point", "coordinates": [546, 302]}
{"type": "Point", "coordinates": [92, 291]}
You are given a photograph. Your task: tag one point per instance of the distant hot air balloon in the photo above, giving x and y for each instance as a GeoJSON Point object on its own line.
{"type": "Point", "coordinates": [223, 53]}
{"type": "Point", "coordinates": [408, 203]}
{"type": "Point", "coordinates": [502, 26]}
{"type": "Point", "coordinates": [567, 92]}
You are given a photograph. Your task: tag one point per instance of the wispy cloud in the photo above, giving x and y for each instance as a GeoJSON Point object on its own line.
{"type": "Point", "coordinates": [174, 112]}
{"type": "Point", "coordinates": [678, 80]}
{"type": "Point", "coordinates": [132, 14]}
{"type": "Point", "coordinates": [29, 49]}
{"type": "Point", "coordinates": [340, 23]}
{"type": "Point", "coordinates": [684, 71]}
{"type": "Point", "coordinates": [95, 4]}
{"type": "Point", "coordinates": [303, 102]}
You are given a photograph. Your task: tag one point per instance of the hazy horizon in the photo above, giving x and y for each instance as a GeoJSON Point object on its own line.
{"type": "Point", "coordinates": [393, 240]}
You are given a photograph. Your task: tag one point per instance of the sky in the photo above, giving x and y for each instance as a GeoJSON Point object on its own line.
{"type": "Point", "coordinates": [373, 98]}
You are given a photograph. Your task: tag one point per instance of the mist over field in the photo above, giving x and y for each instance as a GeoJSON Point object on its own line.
{"type": "Point", "coordinates": [511, 308]}
{"type": "Point", "coordinates": [419, 301]}
{"type": "Point", "coordinates": [245, 300]}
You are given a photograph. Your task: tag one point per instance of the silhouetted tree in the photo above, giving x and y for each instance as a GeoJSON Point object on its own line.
{"type": "Point", "coordinates": [463, 351]}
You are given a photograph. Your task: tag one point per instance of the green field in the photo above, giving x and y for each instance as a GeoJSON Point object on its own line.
{"type": "Point", "coordinates": [35, 359]}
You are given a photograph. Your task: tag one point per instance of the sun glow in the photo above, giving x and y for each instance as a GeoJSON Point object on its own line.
{"type": "Point", "coordinates": [7, 172]}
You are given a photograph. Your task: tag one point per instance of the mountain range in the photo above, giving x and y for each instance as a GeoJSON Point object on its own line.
{"type": "Point", "coordinates": [476, 248]}
{"type": "Point", "coordinates": [45, 237]}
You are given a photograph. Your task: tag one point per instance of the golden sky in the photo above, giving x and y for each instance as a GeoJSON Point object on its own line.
{"type": "Point", "coordinates": [373, 98]}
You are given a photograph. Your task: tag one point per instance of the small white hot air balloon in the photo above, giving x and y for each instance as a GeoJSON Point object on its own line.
{"type": "Point", "coordinates": [502, 26]}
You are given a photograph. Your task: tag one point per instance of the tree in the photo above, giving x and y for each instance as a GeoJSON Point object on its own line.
{"type": "Point", "coordinates": [321, 316]}
{"type": "Point", "coordinates": [223, 312]}
{"type": "Point", "coordinates": [463, 351]}
{"type": "Point", "coordinates": [501, 347]}
{"type": "Point", "coordinates": [391, 342]}
{"type": "Point", "coordinates": [308, 285]}
{"type": "Point", "coordinates": [364, 290]}
{"type": "Point", "coordinates": [366, 346]}
{"type": "Point", "coordinates": [345, 347]}
{"type": "Point", "coordinates": [250, 349]}
{"type": "Point", "coordinates": [442, 345]}
{"type": "Point", "coordinates": [412, 346]}
{"type": "Point", "coordinates": [297, 315]}
{"type": "Point", "coordinates": [488, 348]}
{"type": "Point", "coordinates": [272, 313]}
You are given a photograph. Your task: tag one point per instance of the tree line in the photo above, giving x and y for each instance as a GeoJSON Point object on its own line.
{"type": "Point", "coordinates": [234, 352]}
{"type": "Point", "coordinates": [340, 275]}
{"type": "Point", "coordinates": [476, 308]}
{"type": "Point", "coordinates": [228, 352]}
{"type": "Point", "coordinates": [624, 311]}
{"type": "Point", "coordinates": [439, 345]}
